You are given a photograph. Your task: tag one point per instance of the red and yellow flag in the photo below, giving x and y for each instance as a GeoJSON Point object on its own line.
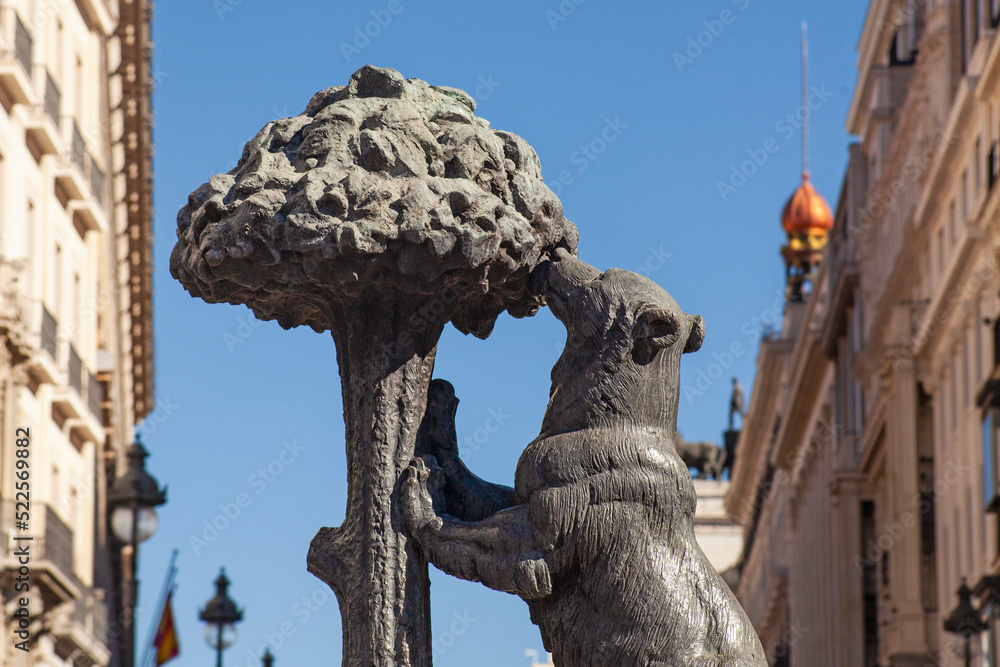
{"type": "Point", "coordinates": [165, 641]}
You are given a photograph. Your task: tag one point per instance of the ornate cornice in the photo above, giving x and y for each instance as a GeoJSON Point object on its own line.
{"type": "Point", "coordinates": [137, 143]}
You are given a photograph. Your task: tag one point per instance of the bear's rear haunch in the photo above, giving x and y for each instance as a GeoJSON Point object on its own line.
{"type": "Point", "coordinates": [597, 534]}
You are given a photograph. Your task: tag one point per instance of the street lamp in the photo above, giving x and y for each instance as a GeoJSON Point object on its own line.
{"type": "Point", "coordinates": [964, 620]}
{"type": "Point", "coordinates": [221, 616]}
{"type": "Point", "coordinates": [268, 658]}
{"type": "Point", "coordinates": [131, 500]}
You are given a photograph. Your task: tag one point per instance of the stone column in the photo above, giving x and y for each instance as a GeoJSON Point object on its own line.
{"type": "Point", "coordinates": [906, 634]}
{"type": "Point", "coordinates": [848, 556]}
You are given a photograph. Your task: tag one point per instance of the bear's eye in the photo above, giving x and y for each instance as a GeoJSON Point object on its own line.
{"type": "Point", "coordinates": [655, 329]}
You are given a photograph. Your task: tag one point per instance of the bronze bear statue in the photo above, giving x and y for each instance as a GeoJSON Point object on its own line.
{"type": "Point", "coordinates": [597, 534]}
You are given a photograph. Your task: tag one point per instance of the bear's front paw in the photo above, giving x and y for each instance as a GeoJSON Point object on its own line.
{"type": "Point", "coordinates": [437, 431]}
{"type": "Point", "coordinates": [418, 486]}
{"type": "Point", "coordinates": [533, 579]}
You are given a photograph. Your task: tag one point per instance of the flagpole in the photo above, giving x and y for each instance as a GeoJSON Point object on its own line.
{"type": "Point", "coordinates": [168, 583]}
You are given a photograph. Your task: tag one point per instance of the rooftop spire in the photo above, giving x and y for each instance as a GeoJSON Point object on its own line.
{"type": "Point", "coordinates": [806, 218]}
{"type": "Point", "coordinates": [805, 100]}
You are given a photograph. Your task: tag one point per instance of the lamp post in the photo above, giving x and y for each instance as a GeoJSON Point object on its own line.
{"type": "Point", "coordinates": [964, 620]}
{"type": "Point", "coordinates": [268, 658]}
{"type": "Point", "coordinates": [131, 500]}
{"type": "Point", "coordinates": [221, 616]}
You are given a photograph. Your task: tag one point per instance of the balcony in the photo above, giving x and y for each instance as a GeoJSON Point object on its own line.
{"type": "Point", "coordinates": [95, 396]}
{"type": "Point", "coordinates": [50, 329]}
{"type": "Point", "coordinates": [80, 628]}
{"type": "Point", "coordinates": [77, 406]}
{"type": "Point", "coordinates": [81, 635]}
{"type": "Point", "coordinates": [75, 366]}
{"type": "Point", "coordinates": [15, 57]}
{"type": "Point", "coordinates": [71, 182]}
{"type": "Point", "coordinates": [44, 342]}
{"type": "Point", "coordinates": [80, 184]}
{"type": "Point", "coordinates": [42, 121]}
{"type": "Point", "coordinates": [51, 552]}
{"type": "Point", "coordinates": [97, 181]}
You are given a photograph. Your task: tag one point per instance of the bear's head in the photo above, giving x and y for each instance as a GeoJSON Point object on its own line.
{"type": "Point", "coordinates": [625, 337]}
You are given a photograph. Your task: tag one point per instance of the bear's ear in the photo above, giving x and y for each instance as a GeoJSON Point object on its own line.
{"type": "Point", "coordinates": [655, 329]}
{"type": "Point", "coordinates": [697, 335]}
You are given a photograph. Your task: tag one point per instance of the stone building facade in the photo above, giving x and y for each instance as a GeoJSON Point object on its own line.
{"type": "Point", "coordinates": [718, 536]}
{"type": "Point", "coordinates": [75, 307]}
{"type": "Point", "coordinates": [866, 481]}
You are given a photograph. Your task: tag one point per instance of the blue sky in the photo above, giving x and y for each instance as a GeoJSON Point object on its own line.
{"type": "Point", "coordinates": [637, 111]}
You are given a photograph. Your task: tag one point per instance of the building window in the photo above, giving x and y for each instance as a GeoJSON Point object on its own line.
{"type": "Point", "coordinates": [958, 538]}
{"type": "Point", "coordinates": [965, 200]}
{"type": "Point", "coordinates": [77, 308]}
{"type": "Point", "coordinates": [966, 376]}
{"type": "Point", "coordinates": [988, 401]}
{"type": "Point", "coordinates": [974, 23]}
{"type": "Point", "coordinates": [56, 287]}
{"type": "Point", "coordinates": [978, 359]}
{"type": "Point", "coordinates": [952, 221]}
{"type": "Point", "coordinates": [991, 480]}
{"type": "Point", "coordinates": [80, 91]}
{"type": "Point", "coordinates": [971, 539]}
{"type": "Point", "coordinates": [946, 539]}
{"type": "Point", "coordinates": [996, 343]}
{"type": "Point", "coordinates": [977, 161]}
{"type": "Point", "coordinates": [993, 163]}
{"type": "Point", "coordinates": [30, 243]}
{"type": "Point", "coordinates": [953, 390]}
{"type": "Point", "coordinates": [869, 588]}
{"type": "Point", "coordinates": [928, 511]}
{"type": "Point", "coordinates": [941, 251]}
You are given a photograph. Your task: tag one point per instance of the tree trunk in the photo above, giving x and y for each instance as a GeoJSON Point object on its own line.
{"type": "Point", "coordinates": [379, 578]}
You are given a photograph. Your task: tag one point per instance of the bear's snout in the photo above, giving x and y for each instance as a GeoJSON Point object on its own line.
{"type": "Point", "coordinates": [562, 281]}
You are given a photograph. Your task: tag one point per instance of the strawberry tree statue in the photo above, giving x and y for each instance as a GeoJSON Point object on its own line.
{"type": "Point", "coordinates": [383, 212]}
